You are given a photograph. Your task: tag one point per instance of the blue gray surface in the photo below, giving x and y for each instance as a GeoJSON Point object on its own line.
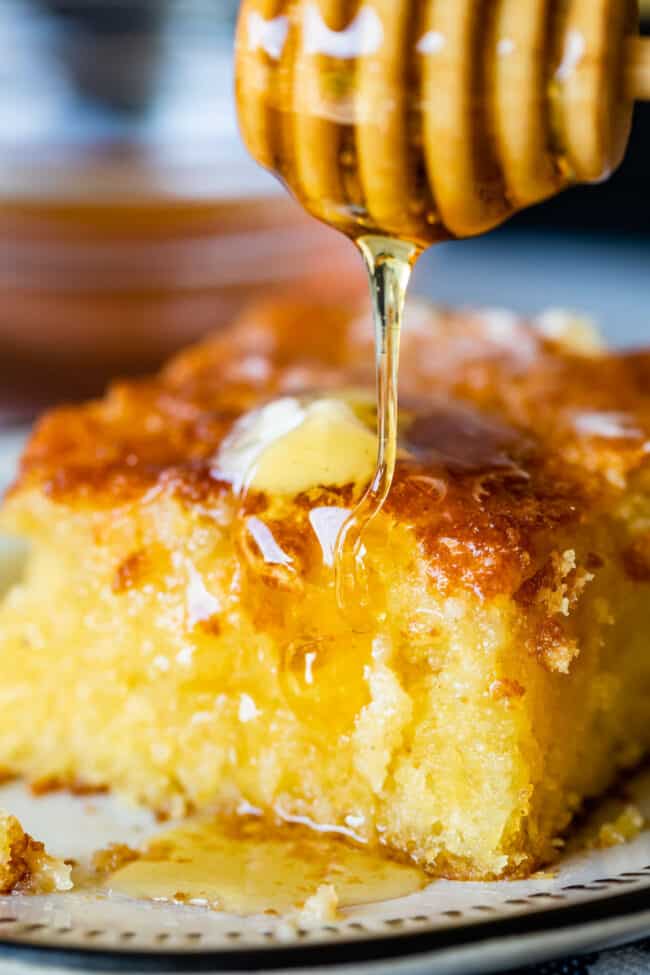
{"type": "Point", "coordinates": [606, 276]}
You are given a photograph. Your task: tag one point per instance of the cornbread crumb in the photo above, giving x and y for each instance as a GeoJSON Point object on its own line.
{"type": "Point", "coordinates": [54, 783]}
{"type": "Point", "coordinates": [321, 907]}
{"type": "Point", "coordinates": [25, 865]}
{"type": "Point", "coordinates": [627, 826]}
{"type": "Point", "coordinates": [114, 856]}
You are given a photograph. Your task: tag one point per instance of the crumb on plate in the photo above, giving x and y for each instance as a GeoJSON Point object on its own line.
{"type": "Point", "coordinates": [625, 827]}
{"type": "Point", "coordinates": [25, 865]}
{"type": "Point", "coordinates": [321, 907]}
{"type": "Point", "coordinates": [112, 857]}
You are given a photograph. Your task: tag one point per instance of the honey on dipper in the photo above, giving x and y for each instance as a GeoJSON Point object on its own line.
{"type": "Point", "coordinates": [407, 122]}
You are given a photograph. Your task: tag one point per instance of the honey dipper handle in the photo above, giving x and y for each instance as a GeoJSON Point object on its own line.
{"type": "Point", "coordinates": [638, 68]}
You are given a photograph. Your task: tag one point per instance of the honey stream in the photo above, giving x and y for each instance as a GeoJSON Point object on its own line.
{"type": "Point", "coordinates": [389, 263]}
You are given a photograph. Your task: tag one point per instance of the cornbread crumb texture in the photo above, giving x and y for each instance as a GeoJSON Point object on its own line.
{"type": "Point", "coordinates": [25, 865]}
{"type": "Point", "coordinates": [113, 857]}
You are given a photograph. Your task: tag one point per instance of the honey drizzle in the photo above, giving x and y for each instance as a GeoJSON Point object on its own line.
{"type": "Point", "coordinates": [389, 263]}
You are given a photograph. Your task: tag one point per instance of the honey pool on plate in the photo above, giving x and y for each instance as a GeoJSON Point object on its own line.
{"type": "Point", "coordinates": [244, 865]}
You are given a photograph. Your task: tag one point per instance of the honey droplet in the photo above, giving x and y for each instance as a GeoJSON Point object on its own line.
{"type": "Point", "coordinates": [324, 683]}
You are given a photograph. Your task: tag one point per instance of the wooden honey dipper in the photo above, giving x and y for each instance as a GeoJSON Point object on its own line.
{"type": "Point", "coordinates": [405, 122]}
{"type": "Point", "coordinates": [421, 119]}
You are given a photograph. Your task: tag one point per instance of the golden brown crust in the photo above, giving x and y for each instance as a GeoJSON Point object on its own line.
{"type": "Point", "coordinates": [25, 865]}
{"type": "Point", "coordinates": [15, 871]}
{"type": "Point", "coordinates": [43, 787]}
{"type": "Point", "coordinates": [514, 435]}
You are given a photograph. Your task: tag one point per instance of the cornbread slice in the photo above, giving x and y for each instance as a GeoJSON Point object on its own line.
{"type": "Point", "coordinates": [175, 636]}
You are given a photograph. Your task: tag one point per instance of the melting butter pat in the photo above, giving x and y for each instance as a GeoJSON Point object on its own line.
{"type": "Point", "coordinates": [289, 446]}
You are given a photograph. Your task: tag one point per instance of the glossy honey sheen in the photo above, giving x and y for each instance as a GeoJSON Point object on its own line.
{"type": "Point", "coordinates": [248, 865]}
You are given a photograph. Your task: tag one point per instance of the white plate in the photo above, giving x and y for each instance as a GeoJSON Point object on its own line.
{"type": "Point", "coordinates": [591, 900]}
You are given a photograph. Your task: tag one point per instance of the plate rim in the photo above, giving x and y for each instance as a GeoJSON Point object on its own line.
{"type": "Point", "coordinates": [618, 917]}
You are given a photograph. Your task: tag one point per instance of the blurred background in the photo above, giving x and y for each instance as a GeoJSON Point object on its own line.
{"type": "Point", "coordinates": [132, 221]}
